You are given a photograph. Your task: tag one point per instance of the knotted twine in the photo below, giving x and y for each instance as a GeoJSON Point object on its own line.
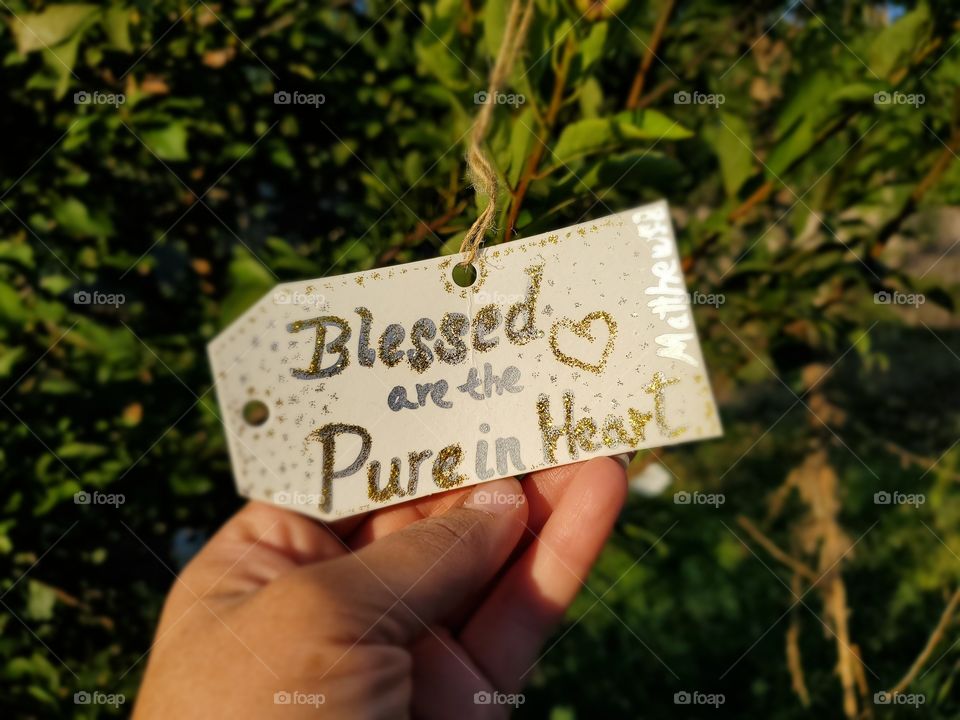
{"type": "Point", "coordinates": [480, 169]}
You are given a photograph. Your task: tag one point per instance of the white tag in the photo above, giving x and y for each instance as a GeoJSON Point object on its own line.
{"type": "Point", "coordinates": [347, 394]}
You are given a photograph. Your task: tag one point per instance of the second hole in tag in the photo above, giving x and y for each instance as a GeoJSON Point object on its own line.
{"type": "Point", "coordinates": [255, 413]}
{"type": "Point", "coordinates": [464, 274]}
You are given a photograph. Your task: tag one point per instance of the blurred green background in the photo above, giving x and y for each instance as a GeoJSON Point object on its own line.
{"type": "Point", "coordinates": [809, 152]}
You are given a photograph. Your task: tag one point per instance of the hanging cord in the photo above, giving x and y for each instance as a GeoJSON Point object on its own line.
{"type": "Point", "coordinates": [480, 168]}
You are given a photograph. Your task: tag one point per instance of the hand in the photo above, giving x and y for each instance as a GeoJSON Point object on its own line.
{"type": "Point", "coordinates": [410, 610]}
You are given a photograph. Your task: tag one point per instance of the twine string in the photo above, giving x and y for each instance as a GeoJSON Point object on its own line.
{"type": "Point", "coordinates": [480, 169]}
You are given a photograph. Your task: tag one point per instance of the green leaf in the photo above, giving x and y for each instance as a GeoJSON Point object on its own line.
{"type": "Point", "coordinates": [60, 60]}
{"type": "Point", "coordinates": [590, 98]}
{"type": "Point", "coordinates": [797, 144]}
{"type": "Point", "coordinates": [592, 47]}
{"type": "Point", "coordinates": [734, 155]}
{"type": "Point", "coordinates": [81, 451]}
{"type": "Point", "coordinates": [249, 281]}
{"type": "Point", "coordinates": [36, 31]}
{"type": "Point", "coordinates": [896, 43]}
{"type": "Point", "coordinates": [20, 253]}
{"type": "Point", "coordinates": [12, 308]}
{"type": "Point", "coordinates": [522, 137]}
{"type": "Point", "coordinates": [494, 23]}
{"type": "Point", "coordinates": [74, 217]}
{"type": "Point", "coordinates": [855, 92]}
{"type": "Point", "coordinates": [41, 600]}
{"type": "Point", "coordinates": [9, 358]}
{"type": "Point", "coordinates": [169, 143]}
{"type": "Point", "coordinates": [116, 25]}
{"type": "Point", "coordinates": [600, 134]}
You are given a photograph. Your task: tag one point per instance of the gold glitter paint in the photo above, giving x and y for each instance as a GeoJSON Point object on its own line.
{"type": "Point", "coordinates": [528, 330]}
{"type": "Point", "coordinates": [445, 467]}
{"type": "Point", "coordinates": [390, 340]}
{"type": "Point", "coordinates": [392, 488]}
{"type": "Point", "coordinates": [338, 346]}
{"type": "Point", "coordinates": [656, 387]}
{"type": "Point", "coordinates": [453, 327]}
{"type": "Point", "coordinates": [550, 433]}
{"type": "Point", "coordinates": [638, 423]}
{"type": "Point", "coordinates": [582, 329]}
{"type": "Point", "coordinates": [584, 431]}
{"type": "Point", "coordinates": [421, 358]}
{"type": "Point", "coordinates": [327, 437]}
{"type": "Point", "coordinates": [614, 434]}
{"type": "Point", "coordinates": [487, 320]}
{"type": "Point", "coordinates": [365, 354]}
{"type": "Point", "coordinates": [414, 460]}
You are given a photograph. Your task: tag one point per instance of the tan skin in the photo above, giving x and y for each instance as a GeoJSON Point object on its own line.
{"type": "Point", "coordinates": [405, 612]}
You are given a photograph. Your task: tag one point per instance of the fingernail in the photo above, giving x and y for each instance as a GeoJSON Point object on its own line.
{"type": "Point", "coordinates": [496, 497]}
{"type": "Point", "coordinates": [625, 458]}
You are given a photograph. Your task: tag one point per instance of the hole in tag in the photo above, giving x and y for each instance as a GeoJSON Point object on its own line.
{"type": "Point", "coordinates": [464, 274]}
{"type": "Point", "coordinates": [255, 413]}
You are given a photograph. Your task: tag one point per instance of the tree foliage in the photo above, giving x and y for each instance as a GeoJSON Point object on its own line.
{"type": "Point", "coordinates": [808, 151]}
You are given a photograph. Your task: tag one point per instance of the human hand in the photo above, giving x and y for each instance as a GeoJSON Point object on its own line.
{"type": "Point", "coordinates": [409, 610]}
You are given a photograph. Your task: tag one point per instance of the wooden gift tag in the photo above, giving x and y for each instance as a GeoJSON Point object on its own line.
{"type": "Point", "coordinates": [346, 394]}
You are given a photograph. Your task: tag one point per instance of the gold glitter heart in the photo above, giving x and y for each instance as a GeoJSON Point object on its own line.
{"type": "Point", "coordinates": [582, 329]}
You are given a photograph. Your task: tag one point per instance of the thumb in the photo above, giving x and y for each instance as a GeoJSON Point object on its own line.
{"type": "Point", "coordinates": [416, 576]}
